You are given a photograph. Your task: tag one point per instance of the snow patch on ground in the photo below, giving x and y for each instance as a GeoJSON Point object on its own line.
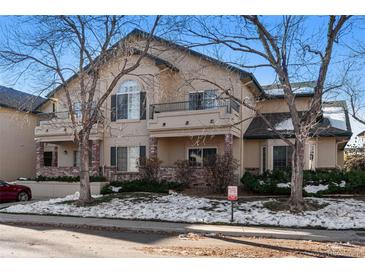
{"type": "Point", "coordinates": [115, 189]}
{"type": "Point", "coordinates": [283, 185]}
{"type": "Point", "coordinates": [342, 184]}
{"type": "Point", "coordinates": [337, 213]}
{"type": "Point", "coordinates": [285, 125]}
{"type": "Point", "coordinates": [315, 188]}
{"type": "Point", "coordinates": [336, 116]}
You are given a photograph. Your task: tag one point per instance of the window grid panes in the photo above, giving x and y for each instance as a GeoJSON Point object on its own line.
{"type": "Point", "coordinates": [127, 158]}
{"type": "Point", "coordinates": [282, 157]}
{"type": "Point", "coordinates": [199, 156]}
{"type": "Point", "coordinates": [128, 100]}
{"type": "Point", "coordinates": [203, 100]}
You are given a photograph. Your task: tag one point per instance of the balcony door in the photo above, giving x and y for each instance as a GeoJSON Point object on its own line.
{"type": "Point", "coordinates": [203, 100]}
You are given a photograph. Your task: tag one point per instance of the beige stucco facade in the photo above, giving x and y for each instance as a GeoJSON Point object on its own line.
{"type": "Point", "coordinates": [178, 130]}
{"type": "Point", "coordinates": [17, 144]}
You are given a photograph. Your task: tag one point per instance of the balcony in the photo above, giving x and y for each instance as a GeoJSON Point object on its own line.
{"type": "Point", "coordinates": [192, 118]}
{"type": "Point", "coordinates": [57, 126]}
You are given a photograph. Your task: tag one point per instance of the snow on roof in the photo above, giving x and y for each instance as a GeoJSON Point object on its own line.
{"type": "Point", "coordinates": [280, 91]}
{"type": "Point", "coordinates": [286, 124]}
{"type": "Point", "coordinates": [336, 115]}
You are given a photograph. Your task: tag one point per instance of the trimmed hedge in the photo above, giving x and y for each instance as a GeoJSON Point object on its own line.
{"type": "Point", "coordinates": [266, 183]}
{"type": "Point", "coordinates": [142, 186]}
{"type": "Point", "coordinates": [68, 178]}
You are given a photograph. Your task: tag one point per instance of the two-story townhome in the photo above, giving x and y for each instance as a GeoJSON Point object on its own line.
{"type": "Point", "coordinates": [173, 107]}
{"type": "Point", "coordinates": [18, 120]}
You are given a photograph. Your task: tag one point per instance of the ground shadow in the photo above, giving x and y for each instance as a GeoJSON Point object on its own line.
{"type": "Point", "coordinates": [311, 253]}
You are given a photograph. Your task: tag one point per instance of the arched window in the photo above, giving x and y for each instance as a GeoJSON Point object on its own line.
{"type": "Point", "coordinates": [129, 100]}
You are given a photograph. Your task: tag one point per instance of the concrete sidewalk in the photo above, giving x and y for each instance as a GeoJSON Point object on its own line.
{"type": "Point", "coordinates": [167, 227]}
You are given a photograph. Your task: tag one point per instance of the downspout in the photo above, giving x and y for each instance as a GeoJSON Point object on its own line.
{"type": "Point", "coordinates": [241, 135]}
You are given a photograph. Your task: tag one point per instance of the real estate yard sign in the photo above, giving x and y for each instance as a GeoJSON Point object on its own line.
{"type": "Point", "coordinates": [232, 193]}
{"type": "Point", "coordinates": [232, 196]}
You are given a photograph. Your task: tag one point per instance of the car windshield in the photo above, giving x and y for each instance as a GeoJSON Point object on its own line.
{"type": "Point", "coordinates": [2, 183]}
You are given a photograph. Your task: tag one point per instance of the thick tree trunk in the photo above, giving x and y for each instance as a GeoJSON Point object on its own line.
{"type": "Point", "coordinates": [296, 200]}
{"type": "Point", "coordinates": [85, 194]}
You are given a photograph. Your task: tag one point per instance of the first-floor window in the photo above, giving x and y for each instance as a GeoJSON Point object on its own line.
{"type": "Point", "coordinates": [76, 158]}
{"type": "Point", "coordinates": [200, 156]}
{"type": "Point", "coordinates": [312, 148]}
{"type": "Point", "coordinates": [282, 156]}
{"type": "Point", "coordinates": [126, 158]}
{"type": "Point", "coordinates": [47, 158]}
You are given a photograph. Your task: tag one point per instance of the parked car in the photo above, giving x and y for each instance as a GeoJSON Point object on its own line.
{"type": "Point", "coordinates": [14, 192]}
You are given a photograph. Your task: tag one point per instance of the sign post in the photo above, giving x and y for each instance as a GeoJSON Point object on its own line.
{"type": "Point", "coordinates": [232, 196]}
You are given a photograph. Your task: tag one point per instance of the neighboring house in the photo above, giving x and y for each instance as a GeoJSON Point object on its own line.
{"type": "Point", "coordinates": [17, 124]}
{"type": "Point", "coordinates": [171, 109]}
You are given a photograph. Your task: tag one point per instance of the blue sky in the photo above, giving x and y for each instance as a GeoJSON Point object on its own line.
{"type": "Point", "coordinates": [315, 24]}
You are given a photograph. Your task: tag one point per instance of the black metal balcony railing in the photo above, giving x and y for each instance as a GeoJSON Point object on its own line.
{"type": "Point", "coordinates": [228, 104]}
{"type": "Point", "coordinates": [61, 115]}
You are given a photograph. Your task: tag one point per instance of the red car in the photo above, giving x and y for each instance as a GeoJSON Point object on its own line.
{"type": "Point", "coordinates": [10, 192]}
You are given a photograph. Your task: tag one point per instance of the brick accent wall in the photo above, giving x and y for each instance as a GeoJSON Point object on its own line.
{"type": "Point", "coordinates": [39, 156]}
{"type": "Point", "coordinates": [228, 143]}
{"type": "Point", "coordinates": [50, 171]}
{"type": "Point", "coordinates": [152, 146]}
{"type": "Point", "coordinates": [198, 181]}
{"type": "Point", "coordinates": [95, 157]}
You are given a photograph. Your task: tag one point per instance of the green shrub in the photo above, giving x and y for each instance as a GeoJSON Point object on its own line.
{"type": "Point", "coordinates": [356, 181]}
{"type": "Point", "coordinates": [321, 176]}
{"type": "Point", "coordinates": [266, 183]}
{"type": "Point", "coordinates": [142, 186]}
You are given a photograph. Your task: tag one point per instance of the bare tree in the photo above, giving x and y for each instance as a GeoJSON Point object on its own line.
{"type": "Point", "coordinates": [91, 41]}
{"type": "Point", "coordinates": [282, 45]}
{"type": "Point", "coordinates": [355, 95]}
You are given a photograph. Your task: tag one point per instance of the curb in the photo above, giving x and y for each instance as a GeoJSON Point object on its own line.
{"type": "Point", "coordinates": [211, 230]}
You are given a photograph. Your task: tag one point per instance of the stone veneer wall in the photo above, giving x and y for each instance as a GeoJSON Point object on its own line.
{"type": "Point", "coordinates": [51, 171]}
{"type": "Point", "coordinates": [166, 173]}
{"type": "Point", "coordinates": [198, 180]}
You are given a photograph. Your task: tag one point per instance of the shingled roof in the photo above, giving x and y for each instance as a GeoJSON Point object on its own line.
{"type": "Point", "coordinates": [15, 99]}
{"type": "Point", "coordinates": [334, 122]}
{"type": "Point", "coordinates": [137, 32]}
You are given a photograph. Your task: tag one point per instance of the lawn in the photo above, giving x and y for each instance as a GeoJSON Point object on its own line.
{"type": "Point", "coordinates": [329, 213]}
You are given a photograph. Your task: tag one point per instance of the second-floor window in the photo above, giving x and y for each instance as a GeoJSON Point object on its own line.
{"type": "Point", "coordinates": [128, 100]}
{"type": "Point", "coordinates": [203, 99]}
{"type": "Point", "coordinates": [77, 110]}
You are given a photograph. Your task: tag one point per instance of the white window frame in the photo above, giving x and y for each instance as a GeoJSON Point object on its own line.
{"type": "Point", "coordinates": [312, 162]}
{"type": "Point", "coordinates": [77, 110]}
{"type": "Point", "coordinates": [129, 168]}
{"type": "Point", "coordinates": [131, 94]}
{"type": "Point", "coordinates": [76, 158]}
{"type": "Point", "coordinates": [203, 91]}
{"type": "Point", "coordinates": [266, 158]}
{"type": "Point", "coordinates": [204, 147]}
